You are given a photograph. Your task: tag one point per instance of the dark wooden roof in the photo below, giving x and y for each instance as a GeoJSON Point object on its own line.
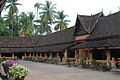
{"type": "Point", "coordinates": [62, 36]}
{"type": "Point", "coordinates": [107, 26]}
{"type": "Point", "coordinates": [2, 3]}
{"type": "Point", "coordinates": [113, 42]}
{"type": "Point", "coordinates": [15, 50]}
{"type": "Point", "coordinates": [86, 24]}
{"type": "Point", "coordinates": [53, 47]}
{"type": "Point", "coordinates": [17, 42]}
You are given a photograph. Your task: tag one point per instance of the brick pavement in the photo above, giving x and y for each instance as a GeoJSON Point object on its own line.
{"type": "Point", "coordinates": [41, 71]}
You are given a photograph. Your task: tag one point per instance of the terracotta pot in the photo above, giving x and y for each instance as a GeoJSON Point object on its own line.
{"type": "Point", "coordinates": [22, 78]}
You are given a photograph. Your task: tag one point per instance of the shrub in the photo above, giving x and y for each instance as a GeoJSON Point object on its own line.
{"type": "Point", "coordinates": [82, 61]}
{"type": "Point", "coordinates": [18, 71]}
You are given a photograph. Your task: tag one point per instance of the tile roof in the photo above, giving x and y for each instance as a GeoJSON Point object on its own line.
{"type": "Point", "coordinates": [62, 36]}
{"type": "Point", "coordinates": [8, 41]}
{"type": "Point", "coordinates": [86, 24]}
{"type": "Point", "coordinates": [113, 42]}
{"type": "Point", "coordinates": [107, 26]}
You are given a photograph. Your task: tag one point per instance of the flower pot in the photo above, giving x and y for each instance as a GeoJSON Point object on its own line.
{"type": "Point", "coordinates": [6, 69]}
{"type": "Point", "coordinates": [22, 78]}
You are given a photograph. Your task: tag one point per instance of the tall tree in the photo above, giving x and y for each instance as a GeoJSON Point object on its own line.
{"type": "Point", "coordinates": [4, 31]}
{"type": "Point", "coordinates": [12, 6]}
{"type": "Point", "coordinates": [26, 24]}
{"type": "Point", "coordinates": [13, 18]}
{"type": "Point", "coordinates": [48, 12]}
{"type": "Point", "coordinates": [37, 6]}
{"type": "Point", "coordinates": [12, 24]}
{"type": "Point", "coordinates": [61, 23]}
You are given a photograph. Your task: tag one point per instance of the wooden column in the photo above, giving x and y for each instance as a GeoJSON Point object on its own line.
{"type": "Point", "coordinates": [76, 56]}
{"type": "Point", "coordinates": [51, 54]}
{"type": "Point", "coordinates": [33, 54]}
{"type": "Point", "coordinates": [108, 56]}
{"type": "Point", "coordinates": [90, 57]}
{"type": "Point", "coordinates": [25, 54]}
{"type": "Point", "coordinates": [58, 56]}
{"type": "Point", "coordinates": [29, 54]}
{"type": "Point", "coordinates": [36, 54]}
{"type": "Point", "coordinates": [65, 55]}
{"type": "Point", "coordinates": [40, 54]}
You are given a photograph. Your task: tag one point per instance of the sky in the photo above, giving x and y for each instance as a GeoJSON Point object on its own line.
{"type": "Point", "coordinates": [74, 7]}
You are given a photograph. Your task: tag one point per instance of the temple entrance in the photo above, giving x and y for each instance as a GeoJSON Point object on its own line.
{"type": "Point", "coordinates": [99, 54]}
{"type": "Point", "coordinates": [71, 53]}
{"type": "Point", "coordinates": [61, 54]}
{"type": "Point", "coordinates": [19, 55]}
{"type": "Point", "coordinates": [115, 53]}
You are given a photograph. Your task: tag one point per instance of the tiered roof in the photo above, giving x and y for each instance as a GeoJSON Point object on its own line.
{"type": "Point", "coordinates": [105, 34]}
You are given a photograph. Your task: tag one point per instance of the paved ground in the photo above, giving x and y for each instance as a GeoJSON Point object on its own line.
{"type": "Point", "coordinates": [41, 71]}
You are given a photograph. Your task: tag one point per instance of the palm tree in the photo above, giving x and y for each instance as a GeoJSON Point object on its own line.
{"type": "Point", "coordinates": [48, 12]}
{"type": "Point", "coordinates": [26, 24]}
{"type": "Point", "coordinates": [12, 5]}
{"type": "Point", "coordinates": [61, 23]}
{"type": "Point", "coordinates": [43, 28]}
{"type": "Point", "coordinates": [4, 31]}
{"type": "Point", "coordinates": [12, 24]}
{"type": "Point", "coordinates": [37, 6]}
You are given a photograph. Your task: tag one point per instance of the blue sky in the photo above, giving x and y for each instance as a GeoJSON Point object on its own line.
{"type": "Point", "coordinates": [74, 7]}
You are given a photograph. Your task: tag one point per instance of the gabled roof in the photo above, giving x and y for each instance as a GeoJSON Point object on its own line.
{"type": "Point", "coordinates": [2, 3]}
{"type": "Point", "coordinates": [86, 24]}
{"type": "Point", "coordinates": [107, 26]}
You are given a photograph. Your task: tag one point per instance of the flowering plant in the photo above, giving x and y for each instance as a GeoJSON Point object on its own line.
{"type": "Point", "coordinates": [9, 63]}
{"type": "Point", "coordinates": [18, 71]}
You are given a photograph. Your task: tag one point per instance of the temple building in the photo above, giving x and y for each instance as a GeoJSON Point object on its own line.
{"type": "Point", "coordinates": [92, 37]}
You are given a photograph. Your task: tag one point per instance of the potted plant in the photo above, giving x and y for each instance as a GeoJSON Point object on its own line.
{"type": "Point", "coordinates": [56, 60]}
{"type": "Point", "coordinates": [82, 62]}
{"type": "Point", "coordinates": [18, 71]}
{"type": "Point", "coordinates": [6, 64]}
{"type": "Point", "coordinates": [68, 62]}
